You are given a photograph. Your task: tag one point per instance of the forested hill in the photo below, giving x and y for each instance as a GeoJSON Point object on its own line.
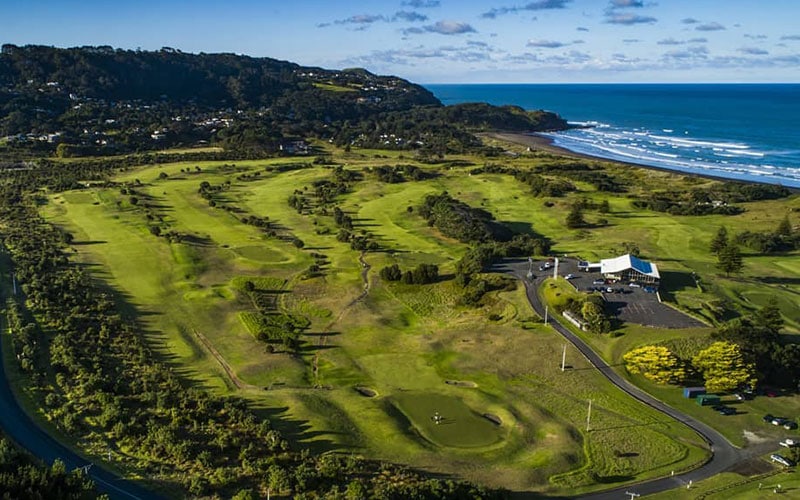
{"type": "Point", "coordinates": [101, 100]}
{"type": "Point", "coordinates": [206, 79]}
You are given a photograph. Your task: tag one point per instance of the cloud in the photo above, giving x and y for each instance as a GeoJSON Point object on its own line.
{"type": "Point", "coordinates": [409, 16]}
{"type": "Point", "coordinates": [690, 53]}
{"type": "Point", "coordinates": [790, 37]}
{"type": "Point", "coordinates": [536, 5]}
{"type": "Point", "coordinates": [545, 44]}
{"type": "Point", "coordinates": [443, 28]}
{"type": "Point", "coordinates": [581, 28]}
{"type": "Point", "coordinates": [753, 51]}
{"type": "Point", "coordinates": [409, 57]}
{"type": "Point", "coordinates": [689, 20]}
{"type": "Point", "coordinates": [621, 4]}
{"type": "Point", "coordinates": [672, 41]}
{"type": "Point", "coordinates": [630, 40]}
{"type": "Point", "coordinates": [629, 19]}
{"type": "Point", "coordinates": [710, 27]}
{"type": "Point", "coordinates": [421, 4]}
{"type": "Point", "coordinates": [361, 19]}
{"type": "Point", "coordinates": [755, 37]}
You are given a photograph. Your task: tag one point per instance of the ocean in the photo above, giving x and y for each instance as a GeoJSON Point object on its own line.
{"type": "Point", "coordinates": [747, 132]}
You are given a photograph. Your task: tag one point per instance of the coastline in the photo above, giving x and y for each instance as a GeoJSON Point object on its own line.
{"type": "Point", "coordinates": [543, 143]}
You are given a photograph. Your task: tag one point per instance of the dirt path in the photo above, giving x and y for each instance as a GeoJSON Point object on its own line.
{"type": "Point", "coordinates": [236, 381]}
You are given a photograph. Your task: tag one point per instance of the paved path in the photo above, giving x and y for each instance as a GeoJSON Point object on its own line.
{"type": "Point", "coordinates": [724, 454]}
{"type": "Point", "coordinates": [22, 430]}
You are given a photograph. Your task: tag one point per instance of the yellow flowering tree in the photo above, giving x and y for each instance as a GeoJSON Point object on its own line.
{"type": "Point", "coordinates": [723, 367]}
{"type": "Point", "coordinates": [656, 363]}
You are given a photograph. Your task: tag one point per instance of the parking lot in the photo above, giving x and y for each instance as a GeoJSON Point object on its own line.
{"type": "Point", "coordinates": [630, 304]}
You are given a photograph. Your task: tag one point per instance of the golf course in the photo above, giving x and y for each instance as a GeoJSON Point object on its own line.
{"type": "Point", "coordinates": [261, 279]}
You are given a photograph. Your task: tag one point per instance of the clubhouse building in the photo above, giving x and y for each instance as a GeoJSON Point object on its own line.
{"type": "Point", "coordinates": [625, 268]}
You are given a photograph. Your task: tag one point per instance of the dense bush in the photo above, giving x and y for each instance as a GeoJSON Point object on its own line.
{"type": "Point", "coordinates": [458, 220]}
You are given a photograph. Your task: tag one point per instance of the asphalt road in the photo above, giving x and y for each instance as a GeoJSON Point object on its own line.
{"type": "Point", "coordinates": [724, 454]}
{"type": "Point", "coordinates": [22, 430]}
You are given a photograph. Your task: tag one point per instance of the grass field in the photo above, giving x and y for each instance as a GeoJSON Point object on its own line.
{"type": "Point", "coordinates": [380, 359]}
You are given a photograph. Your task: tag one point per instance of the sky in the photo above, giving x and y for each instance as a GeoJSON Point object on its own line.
{"type": "Point", "coordinates": [448, 41]}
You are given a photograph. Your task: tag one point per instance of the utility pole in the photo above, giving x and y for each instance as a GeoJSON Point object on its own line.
{"type": "Point", "coordinates": [545, 315]}
{"type": "Point", "coordinates": [555, 269]}
{"type": "Point", "coordinates": [14, 282]}
{"type": "Point", "coordinates": [633, 495]}
{"type": "Point", "coordinates": [564, 358]}
{"type": "Point", "coordinates": [530, 267]}
{"type": "Point", "coordinates": [589, 416]}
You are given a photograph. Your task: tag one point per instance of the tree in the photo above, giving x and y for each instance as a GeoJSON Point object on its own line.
{"type": "Point", "coordinates": [729, 260]}
{"type": "Point", "coordinates": [391, 273]}
{"type": "Point", "coordinates": [720, 241]}
{"type": "Point", "coordinates": [656, 363]}
{"type": "Point", "coordinates": [631, 248]}
{"type": "Point", "coordinates": [594, 314]}
{"type": "Point", "coordinates": [784, 227]}
{"type": "Point", "coordinates": [575, 217]}
{"type": "Point", "coordinates": [769, 316]}
{"type": "Point", "coordinates": [723, 367]}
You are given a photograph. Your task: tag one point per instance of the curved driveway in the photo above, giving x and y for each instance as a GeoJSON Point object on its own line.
{"type": "Point", "coordinates": [18, 426]}
{"type": "Point", "coordinates": [724, 454]}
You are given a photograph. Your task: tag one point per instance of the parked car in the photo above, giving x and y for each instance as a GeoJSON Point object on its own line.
{"type": "Point", "coordinates": [790, 425]}
{"type": "Point", "coordinates": [609, 290]}
{"type": "Point", "coordinates": [782, 460]}
{"type": "Point", "coordinates": [727, 410]}
{"type": "Point", "coordinates": [634, 285]}
{"type": "Point", "coordinates": [649, 289]}
{"type": "Point", "coordinates": [779, 421]}
{"type": "Point", "coordinates": [789, 443]}
{"type": "Point", "coordinates": [599, 282]}
{"type": "Point", "coordinates": [570, 276]}
{"type": "Point", "coordinates": [768, 418]}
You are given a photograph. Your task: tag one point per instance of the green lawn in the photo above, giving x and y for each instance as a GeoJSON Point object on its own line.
{"type": "Point", "coordinates": [416, 347]}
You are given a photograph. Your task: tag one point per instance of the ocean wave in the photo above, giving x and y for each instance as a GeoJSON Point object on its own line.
{"type": "Point", "coordinates": [707, 160]}
{"type": "Point", "coordinates": [693, 143]}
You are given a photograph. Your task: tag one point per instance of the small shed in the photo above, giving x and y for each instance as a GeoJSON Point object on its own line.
{"type": "Point", "coordinates": [707, 399]}
{"type": "Point", "coordinates": [693, 392]}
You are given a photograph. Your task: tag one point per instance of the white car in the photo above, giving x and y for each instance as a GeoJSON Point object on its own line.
{"type": "Point", "coordinates": [570, 276]}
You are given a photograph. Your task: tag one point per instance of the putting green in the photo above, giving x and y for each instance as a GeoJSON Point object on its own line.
{"type": "Point", "coordinates": [262, 254]}
{"type": "Point", "coordinates": [459, 427]}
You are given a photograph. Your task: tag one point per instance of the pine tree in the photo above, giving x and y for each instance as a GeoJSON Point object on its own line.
{"type": "Point", "coordinates": [720, 241]}
{"type": "Point", "coordinates": [729, 260]}
{"type": "Point", "coordinates": [784, 228]}
{"type": "Point", "coordinates": [575, 217]}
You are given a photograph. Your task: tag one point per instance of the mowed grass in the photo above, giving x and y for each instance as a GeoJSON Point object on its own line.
{"type": "Point", "coordinates": [416, 347]}
{"type": "Point", "coordinates": [446, 420]}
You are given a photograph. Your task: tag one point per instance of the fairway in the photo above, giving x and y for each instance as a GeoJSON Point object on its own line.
{"type": "Point", "coordinates": [458, 425]}
{"type": "Point", "coordinates": [375, 361]}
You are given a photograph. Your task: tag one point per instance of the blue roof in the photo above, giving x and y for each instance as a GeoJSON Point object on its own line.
{"type": "Point", "coordinates": [640, 265]}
